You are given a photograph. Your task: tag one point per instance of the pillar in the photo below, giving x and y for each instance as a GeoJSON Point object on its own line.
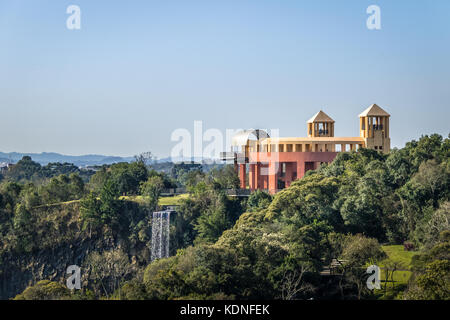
{"type": "Point", "coordinates": [367, 131]}
{"type": "Point", "coordinates": [242, 174]}
{"type": "Point", "coordinates": [300, 169]}
{"type": "Point", "coordinates": [273, 176]}
{"type": "Point", "coordinates": [251, 177]}
{"type": "Point", "coordinates": [257, 176]}
{"type": "Point", "coordinates": [263, 177]}
{"type": "Point", "coordinates": [386, 127]}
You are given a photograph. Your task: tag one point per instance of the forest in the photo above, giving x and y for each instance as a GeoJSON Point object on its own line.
{"type": "Point", "coordinates": [313, 240]}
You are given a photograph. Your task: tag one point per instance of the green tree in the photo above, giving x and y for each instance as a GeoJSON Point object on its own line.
{"type": "Point", "coordinates": [110, 205]}
{"type": "Point", "coordinates": [306, 200]}
{"type": "Point", "coordinates": [23, 229]}
{"type": "Point", "coordinates": [29, 196]}
{"type": "Point", "coordinates": [132, 290]}
{"type": "Point", "coordinates": [211, 224]}
{"type": "Point", "coordinates": [129, 176]}
{"type": "Point", "coordinates": [55, 169]}
{"type": "Point", "coordinates": [109, 270]}
{"type": "Point", "coordinates": [91, 215]}
{"type": "Point", "coordinates": [434, 284]}
{"type": "Point", "coordinates": [431, 272]}
{"type": "Point", "coordinates": [76, 186]}
{"type": "Point", "coordinates": [358, 252]}
{"type": "Point", "coordinates": [25, 170]}
{"type": "Point", "coordinates": [152, 189]}
{"type": "Point", "coordinates": [258, 200]}
{"type": "Point", "coordinates": [225, 177]}
{"type": "Point", "coordinates": [45, 290]}
{"type": "Point", "coordinates": [98, 180]}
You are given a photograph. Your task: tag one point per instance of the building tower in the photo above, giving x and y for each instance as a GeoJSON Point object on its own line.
{"type": "Point", "coordinates": [320, 125]}
{"type": "Point", "coordinates": [374, 128]}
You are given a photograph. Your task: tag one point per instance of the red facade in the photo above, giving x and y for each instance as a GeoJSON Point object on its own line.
{"type": "Point", "coordinates": [273, 171]}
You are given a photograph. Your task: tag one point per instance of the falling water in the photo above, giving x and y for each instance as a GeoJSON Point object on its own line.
{"type": "Point", "coordinates": [160, 234]}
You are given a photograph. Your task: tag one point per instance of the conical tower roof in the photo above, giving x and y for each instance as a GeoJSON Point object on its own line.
{"type": "Point", "coordinates": [320, 117]}
{"type": "Point", "coordinates": [374, 111]}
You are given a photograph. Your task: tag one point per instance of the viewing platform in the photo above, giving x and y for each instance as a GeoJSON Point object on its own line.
{"type": "Point", "coordinates": [265, 163]}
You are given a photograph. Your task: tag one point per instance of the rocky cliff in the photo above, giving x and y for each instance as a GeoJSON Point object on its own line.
{"type": "Point", "coordinates": [59, 241]}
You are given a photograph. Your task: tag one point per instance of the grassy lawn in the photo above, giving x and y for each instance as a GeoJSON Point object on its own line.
{"type": "Point", "coordinates": [138, 199]}
{"type": "Point", "coordinates": [395, 253]}
{"type": "Point", "coordinates": [163, 201]}
{"type": "Point", "coordinates": [172, 201]}
{"type": "Point", "coordinates": [56, 204]}
{"type": "Point", "coordinates": [398, 254]}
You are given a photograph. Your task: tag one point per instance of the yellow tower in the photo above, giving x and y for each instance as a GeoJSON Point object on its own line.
{"type": "Point", "coordinates": [320, 125]}
{"type": "Point", "coordinates": [374, 128]}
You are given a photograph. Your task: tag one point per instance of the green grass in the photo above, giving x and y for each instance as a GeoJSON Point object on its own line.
{"type": "Point", "coordinates": [138, 199]}
{"type": "Point", "coordinates": [56, 204]}
{"type": "Point", "coordinates": [172, 201]}
{"type": "Point", "coordinates": [398, 254]}
{"type": "Point", "coordinates": [395, 253]}
{"type": "Point", "coordinates": [163, 201]}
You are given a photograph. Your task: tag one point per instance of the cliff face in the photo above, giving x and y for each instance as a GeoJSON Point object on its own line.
{"type": "Point", "coordinates": [59, 242]}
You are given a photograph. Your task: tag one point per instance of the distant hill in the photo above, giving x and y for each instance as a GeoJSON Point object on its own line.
{"type": "Point", "coordinates": [46, 157]}
{"type": "Point", "coordinates": [91, 159]}
{"type": "Point", "coordinates": [187, 160]}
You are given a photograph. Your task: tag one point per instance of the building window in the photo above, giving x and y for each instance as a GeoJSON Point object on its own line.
{"type": "Point", "coordinates": [283, 169]}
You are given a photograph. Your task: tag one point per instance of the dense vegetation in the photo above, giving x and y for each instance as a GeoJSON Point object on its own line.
{"type": "Point", "coordinates": [261, 247]}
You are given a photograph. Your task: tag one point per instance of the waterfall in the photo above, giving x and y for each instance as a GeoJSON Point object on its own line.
{"type": "Point", "coordinates": [160, 234]}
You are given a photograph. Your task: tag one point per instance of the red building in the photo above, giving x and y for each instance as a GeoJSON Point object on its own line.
{"type": "Point", "coordinates": [272, 164]}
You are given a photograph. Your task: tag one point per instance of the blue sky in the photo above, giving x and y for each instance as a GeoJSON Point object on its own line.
{"type": "Point", "coordinates": [138, 70]}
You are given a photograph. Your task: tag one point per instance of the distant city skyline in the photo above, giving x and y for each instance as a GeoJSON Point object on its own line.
{"type": "Point", "coordinates": [135, 72]}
